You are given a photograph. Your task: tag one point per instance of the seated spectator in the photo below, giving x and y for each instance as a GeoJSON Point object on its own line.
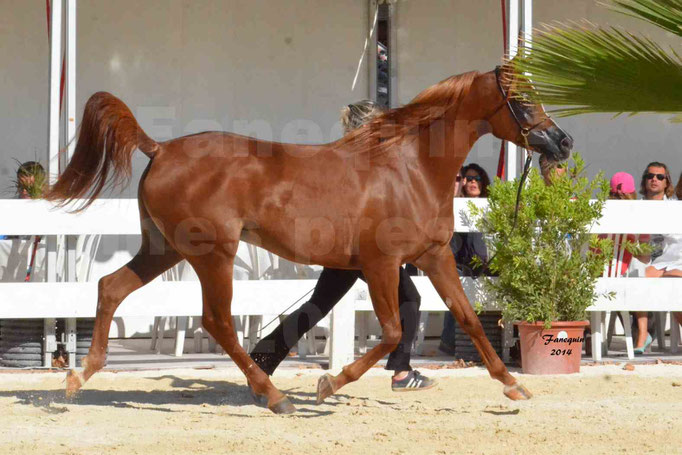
{"type": "Point", "coordinates": [623, 188]}
{"type": "Point", "coordinates": [656, 185]}
{"type": "Point", "coordinates": [465, 246]}
{"type": "Point", "coordinates": [31, 179]}
{"type": "Point", "coordinates": [30, 183]}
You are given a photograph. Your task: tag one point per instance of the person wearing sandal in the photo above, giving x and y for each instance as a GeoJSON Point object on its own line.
{"type": "Point", "coordinates": [332, 285]}
{"type": "Point", "coordinates": [656, 184]}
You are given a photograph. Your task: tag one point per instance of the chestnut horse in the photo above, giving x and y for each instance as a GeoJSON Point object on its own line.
{"type": "Point", "coordinates": [373, 200]}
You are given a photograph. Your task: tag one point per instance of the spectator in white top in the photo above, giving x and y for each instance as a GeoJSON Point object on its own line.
{"type": "Point", "coordinates": [656, 185]}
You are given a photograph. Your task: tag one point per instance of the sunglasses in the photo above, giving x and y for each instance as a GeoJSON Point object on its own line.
{"type": "Point", "coordinates": [471, 178]}
{"type": "Point", "coordinates": [650, 176]}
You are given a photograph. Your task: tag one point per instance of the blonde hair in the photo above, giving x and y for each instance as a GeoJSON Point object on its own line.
{"type": "Point", "coordinates": [357, 114]}
{"type": "Point", "coordinates": [383, 131]}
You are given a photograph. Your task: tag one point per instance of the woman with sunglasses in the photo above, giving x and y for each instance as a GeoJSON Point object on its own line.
{"type": "Point", "coordinates": [465, 246]}
{"type": "Point", "coordinates": [475, 181]}
{"type": "Point", "coordinates": [656, 185]}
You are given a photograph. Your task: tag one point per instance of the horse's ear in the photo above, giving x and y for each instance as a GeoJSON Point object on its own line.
{"type": "Point", "coordinates": [506, 72]}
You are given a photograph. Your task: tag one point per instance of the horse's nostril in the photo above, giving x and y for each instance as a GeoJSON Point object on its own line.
{"type": "Point", "coordinates": [566, 144]}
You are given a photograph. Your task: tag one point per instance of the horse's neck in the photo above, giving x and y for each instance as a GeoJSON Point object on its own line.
{"type": "Point", "coordinates": [443, 149]}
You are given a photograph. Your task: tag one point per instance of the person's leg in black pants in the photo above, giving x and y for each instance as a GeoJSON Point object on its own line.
{"type": "Point", "coordinates": [410, 300]}
{"type": "Point", "coordinates": [332, 285]}
{"type": "Point", "coordinates": [404, 377]}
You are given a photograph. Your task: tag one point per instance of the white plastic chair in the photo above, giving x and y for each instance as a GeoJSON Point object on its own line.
{"type": "Point", "coordinates": [613, 270]}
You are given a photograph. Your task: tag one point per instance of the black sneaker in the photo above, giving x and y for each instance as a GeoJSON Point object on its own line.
{"type": "Point", "coordinates": [414, 381]}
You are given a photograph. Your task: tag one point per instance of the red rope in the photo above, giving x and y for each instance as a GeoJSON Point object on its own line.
{"type": "Point", "coordinates": [47, 6]}
{"type": "Point", "coordinates": [501, 159]}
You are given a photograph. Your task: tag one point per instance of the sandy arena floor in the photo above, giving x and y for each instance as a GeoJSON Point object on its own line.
{"type": "Point", "coordinates": [603, 410]}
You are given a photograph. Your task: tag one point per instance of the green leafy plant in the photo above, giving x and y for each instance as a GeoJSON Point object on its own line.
{"type": "Point", "coordinates": [548, 265]}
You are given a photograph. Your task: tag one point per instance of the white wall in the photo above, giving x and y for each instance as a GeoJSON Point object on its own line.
{"type": "Point", "coordinates": [439, 38]}
{"type": "Point", "coordinates": [23, 86]}
{"type": "Point", "coordinates": [185, 66]}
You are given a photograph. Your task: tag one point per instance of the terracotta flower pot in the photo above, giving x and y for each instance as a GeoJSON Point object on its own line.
{"type": "Point", "coordinates": [556, 350]}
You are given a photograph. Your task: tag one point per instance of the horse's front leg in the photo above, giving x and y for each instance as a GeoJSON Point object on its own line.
{"type": "Point", "coordinates": [382, 280]}
{"type": "Point", "coordinates": [439, 266]}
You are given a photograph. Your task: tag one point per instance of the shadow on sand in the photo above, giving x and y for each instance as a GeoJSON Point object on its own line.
{"type": "Point", "coordinates": [195, 392]}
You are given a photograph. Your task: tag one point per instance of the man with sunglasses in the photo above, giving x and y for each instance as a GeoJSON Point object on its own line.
{"type": "Point", "coordinates": [656, 185]}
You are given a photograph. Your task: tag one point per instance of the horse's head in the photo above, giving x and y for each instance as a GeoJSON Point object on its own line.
{"type": "Point", "coordinates": [525, 123]}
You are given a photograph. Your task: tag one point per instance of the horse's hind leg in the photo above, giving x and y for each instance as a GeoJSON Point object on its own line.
{"type": "Point", "coordinates": [215, 273]}
{"type": "Point", "coordinates": [441, 269]}
{"type": "Point", "coordinates": [383, 289]}
{"type": "Point", "coordinates": [155, 257]}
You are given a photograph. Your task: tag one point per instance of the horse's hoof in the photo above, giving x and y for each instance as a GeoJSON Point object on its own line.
{"type": "Point", "coordinates": [74, 381]}
{"type": "Point", "coordinates": [325, 387]}
{"type": "Point", "coordinates": [283, 406]}
{"type": "Point", "coordinates": [258, 400]}
{"type": "Point", "coordinates": [517, 392]}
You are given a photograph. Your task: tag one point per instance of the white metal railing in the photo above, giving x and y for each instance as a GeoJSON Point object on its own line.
{"type": "Point", "coordinates": [121, 216]}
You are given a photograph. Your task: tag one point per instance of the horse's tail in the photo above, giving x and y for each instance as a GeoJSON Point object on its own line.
{"type": "Point", "coordinates": [109, 134]}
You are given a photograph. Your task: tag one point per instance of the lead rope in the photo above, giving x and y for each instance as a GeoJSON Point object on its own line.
{"type": "Point", "coordinates": [260, 334]}
{"type": "Point", "coordinates": [526, 170]}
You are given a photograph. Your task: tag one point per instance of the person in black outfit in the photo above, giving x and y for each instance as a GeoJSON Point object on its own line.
{"type": "Point", "coordinates": [332, 285]}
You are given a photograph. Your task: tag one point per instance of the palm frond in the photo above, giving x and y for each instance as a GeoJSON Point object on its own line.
{"type": "Point", "coordinates": [666, 14]}
{"type": "Point", "coordinates": [583, 69]}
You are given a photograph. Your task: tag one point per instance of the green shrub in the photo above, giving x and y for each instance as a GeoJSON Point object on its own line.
{"type": "Point", "coordinates": [549, 264]}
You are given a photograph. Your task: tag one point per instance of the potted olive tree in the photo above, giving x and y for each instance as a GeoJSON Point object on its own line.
{"type": "Point", "coordinates": [548, 265]}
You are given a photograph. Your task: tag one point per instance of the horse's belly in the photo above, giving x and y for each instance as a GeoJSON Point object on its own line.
{"type": "Point", "coordinates": [307, 241]}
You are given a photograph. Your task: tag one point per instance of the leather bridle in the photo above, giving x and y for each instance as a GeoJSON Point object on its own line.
{"type": "Point", "coordinates": [525, 130]}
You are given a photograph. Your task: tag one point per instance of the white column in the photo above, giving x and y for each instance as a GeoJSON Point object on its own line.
{"type": "Point", "coordinates": [70, 118]}
{"type": "Point", "coordinates": [53, 157]}
{"type": "Point", "coordinates": [54, 80]}
{"type": "Point", "coordinates": [342, 332]}
{"type": "Point", "coordinates": [527, 24]}
{"type": "Point", "coordinates": [527, 30]}
{"type": "Point", "coordinates": [71, 76]}
{"type": "Point", "coordinates": [512, 39]}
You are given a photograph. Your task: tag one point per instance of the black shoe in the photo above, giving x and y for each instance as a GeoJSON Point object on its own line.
{"type": "Point", "coordinates": [446, 348]}
{"type": "Point", "coordinates": [414, 381]}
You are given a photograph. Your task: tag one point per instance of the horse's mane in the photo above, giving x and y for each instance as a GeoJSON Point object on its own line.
{"type": "Point", "coordinates": [391, 126]}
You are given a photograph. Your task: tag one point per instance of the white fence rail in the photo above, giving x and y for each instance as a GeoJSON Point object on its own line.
{"type": "Point", "coordinates": [183, 298]}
